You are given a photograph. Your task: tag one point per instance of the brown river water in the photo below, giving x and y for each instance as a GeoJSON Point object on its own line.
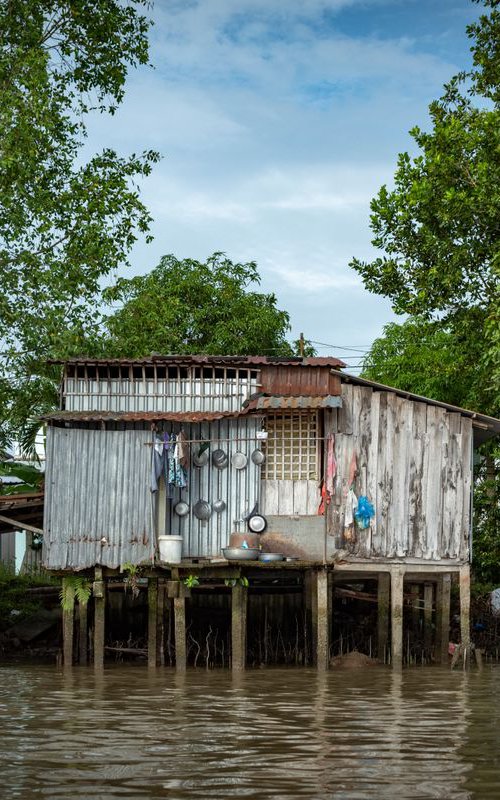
{"type": "Point", "coordinates": [132, 733]}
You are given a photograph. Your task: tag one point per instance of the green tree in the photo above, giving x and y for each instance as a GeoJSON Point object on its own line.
{"type": "Point", "coordinates": [439, 232]}
{"type": "Point", "coordinates": [438, 227]}
{"type": "Point", "coordinates": [64, 223]}
{"type": "Point", "coordinates": [190, 306]}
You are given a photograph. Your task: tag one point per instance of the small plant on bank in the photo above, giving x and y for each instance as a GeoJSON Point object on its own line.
{"type": "Point", "coordinates": [132, 572]}
{"type": "Point", "coordinates": [191, 581]}
{"type": "Point", "coordinates": [75, 587]}
{"type": "Point", "coordinates": [243, 581]}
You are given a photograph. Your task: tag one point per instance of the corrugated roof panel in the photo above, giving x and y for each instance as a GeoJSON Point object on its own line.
{"type": "Point", "coordinates": [140, 416]}
{"type": "Point", "coordinates": [304, 402]}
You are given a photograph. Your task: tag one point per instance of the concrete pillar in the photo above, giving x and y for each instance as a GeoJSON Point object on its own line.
{"type": "Point", "coordinates": [465, 611]}
{"type": "Point", "coordinates": [311, 587]}
{"type": "Point", "coordinates": [322, 621]}
{"type": "Point", "coordinates": [180, 632]}
{"type": "Point", "coordinates": [397, 576]}
{"type": "Point", "coordinates": [383, 596]}
{"type": "Point", "coordinates": [428, 598]}
{"type": "Point", "coordinates": [443, 618]}
{"type": "Point", "coordinates": [239, 627]}
{"type": "Point", "coordinates": [99, 618]}
{"type": "Point", "coordinates": [83, 634]}
{"type": "Point", "coordinates": [152, 621]}
{"type": "Point", "coordinates": [160, 627]}
{"type": "Point", "coordinates": [68, 622]}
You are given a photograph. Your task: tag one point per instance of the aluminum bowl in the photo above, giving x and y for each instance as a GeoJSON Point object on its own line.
{"type": "Point", "coordinates": [241, 553]}
{"type": "Point", "coordinates": [271, 557]}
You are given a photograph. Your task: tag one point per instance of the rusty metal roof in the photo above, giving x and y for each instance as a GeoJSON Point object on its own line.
{"type": "Point", "coordinates": [140, 416]}
{"type": "Point", "coordinates": [279, 402]}
{"type": "Point", "coordinates": [250, 361]}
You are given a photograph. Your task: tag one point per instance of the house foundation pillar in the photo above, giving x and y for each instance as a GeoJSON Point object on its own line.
{"type": "Point", "coordinates": [99, 591]}
{"type": "Point", "coordinates": [443, 591]}
{"type": "Point", "coordinates": [465, 612]}
{"type": "Point", "coordinates": [152, 621]}
{"type": "Point", "coordinates": [397, 578]}
{"type": "Point", "coordinates": [239, 596]}
{"type": "Point", "coordinates": [428, 598]}
{"type": "Point", "coordinates": [180, 632]}
{"type": "Point", "coordinates": [68, 623]}
{"type": "Point", "coordinates": [383, 599]}
{"type": "Point", "coordinates": [322, 620]}
{"type": "Point", "coordinates": [83, 634]}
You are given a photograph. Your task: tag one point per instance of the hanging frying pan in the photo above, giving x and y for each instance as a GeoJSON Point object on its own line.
{"type": "Point", "coordinates": [256, 522]}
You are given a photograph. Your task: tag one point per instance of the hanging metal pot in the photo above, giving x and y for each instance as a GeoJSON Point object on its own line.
{"type": "Point", "coordinates": [256, 522]}
{"type": "Point", "coordinates": [220, 459]}
{"type": "Point", "coordinates": [219, 506]}
{"type": "Point", "coordinates": [202, 510]}
{"type": "Point", "coordinates": [181, 509]}
{"type": "Point", "coordinates": [258, 457]}
{"type": "Point", "coordinates": [239, 460]}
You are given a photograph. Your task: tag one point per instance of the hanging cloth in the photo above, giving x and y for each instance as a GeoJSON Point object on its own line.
{"type": "Point", "coordinates": [157, 462]}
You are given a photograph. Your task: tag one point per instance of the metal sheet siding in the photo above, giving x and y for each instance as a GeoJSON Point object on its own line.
{"type": "Point", "coordinates": [238, 488]}
{"type": "Point", "coordinates": [97, 487]}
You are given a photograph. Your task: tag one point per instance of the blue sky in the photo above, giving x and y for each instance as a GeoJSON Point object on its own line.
{"type": "Point", "coordinates": [278, 121]}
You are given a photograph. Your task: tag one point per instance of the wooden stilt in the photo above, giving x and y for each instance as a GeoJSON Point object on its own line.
{"type": "Point", "coordinates": [383, 595]}
{"type": "Point", "coordinates": [322, 621]}
{"type": "Point", "coordinates": [312, 585]}
{"type": "Point", "coordinates": [99, 618]}
{"type": "Point", "coordinates": [465, 611]}
{"type": "Point", "coordinates": [152, 621]}
{"type": "Point", "coordinates": [428, 597]}
{"type": "Point", "coordinates": [397, 576]}
{"type": "Point", "coordinates": [160, 628]}
{"type": "Point", "coordinates": [308, 624]}
{"type": "Point", "coordinates": [180, 633]}
{"type": "Point", "coordinates": [443, 618]}
{"type": "Point", "coordinates": [415, 608]}
{"type": "Point", "coordinates": [239, 596]}
{"type": "Point", "coordinates": [83, 634]}
{"type": "Point", "coordinates": [68, 623]}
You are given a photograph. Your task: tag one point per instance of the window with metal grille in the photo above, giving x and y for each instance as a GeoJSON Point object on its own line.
{"type": "Point", "coordinates": [292, 446]}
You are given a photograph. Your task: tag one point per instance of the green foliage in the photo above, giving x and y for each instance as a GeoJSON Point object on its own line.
{"type": "Point", "coordinates": [31, 478]}
{"type": "Point", "coordinates": [243, 581]}
{"type": "Point", "coordinates": [438, 226]}
{"type": "Point", "coordinates": [191, 581]}
{"type": "Point", "coordinates": [64, 223]}
{"type": "Point", "coordinates": [14, 597]}
{"type": "Point", "coordinates": [193, 307]}
{"type": "Point", "coordinates": [430, 359]}
{"type": "Point", "coordinates": [74, 587]}
{"type": "Point", "coordinates": [132, 572]}
{"type": "Point", "coordinates": [486, 541]}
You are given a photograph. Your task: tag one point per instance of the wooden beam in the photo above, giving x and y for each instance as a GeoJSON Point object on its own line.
{"type": "Point", "coordinates": [397, 576]}
{"type": "Point", "coordinates": [68, 626]}
{"type": "Point", "coordinates": [322, 621]}
{"type": "Point", "coordinates": [83, 634]}
{"type": "Point", "coordinates": [23, 526]}
{"type": "Point", "coordinates": [99, 618]}
{"type": "Point", "coordinates": [465, 611]}
{"type": "Point", "coordinates": [443, 618]}
{"type": "Point", "coordinates": [428, 598]}
{"type": "Point", "coordinates": [383, 595]}
{"type": "Point", "coordinates": [152, 621]}
{"type": "Point", "coordinates": [180, 633]}
{"type": "Point", "coordinates": [239, 627]}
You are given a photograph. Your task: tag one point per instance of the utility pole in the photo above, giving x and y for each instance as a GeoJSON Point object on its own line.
{"type": "Point", "coordinates": [301, 345]}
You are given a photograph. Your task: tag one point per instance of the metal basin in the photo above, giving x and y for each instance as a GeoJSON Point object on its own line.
{"type": "Point", "coordinates": [241, 553]}
{"type": "Point", "coordinates": [271, 557]}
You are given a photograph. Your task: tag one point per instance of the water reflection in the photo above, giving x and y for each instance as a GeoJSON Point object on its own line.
{"type": "Point", "coordinates": [138, 733]}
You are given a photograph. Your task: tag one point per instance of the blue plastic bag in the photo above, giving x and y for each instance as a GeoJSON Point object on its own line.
{"type": "Point", "coordinates": [364, 512]}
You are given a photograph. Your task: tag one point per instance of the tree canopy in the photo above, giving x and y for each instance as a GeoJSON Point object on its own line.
{"type": "Point", "coordinates": [188, 306]}
{"type": "Point", "coordinates": [64, 222]}
{"type": "Point", "coordinates": [439, 226]}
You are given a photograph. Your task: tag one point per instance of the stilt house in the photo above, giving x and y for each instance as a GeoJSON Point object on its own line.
{"type": "Point", "coordinates": [292, 440]}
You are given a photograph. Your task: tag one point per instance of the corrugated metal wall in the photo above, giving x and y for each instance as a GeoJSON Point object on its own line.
{"type": "Point", "coordinates": [239, 488]}
{"type": "Point", "coordinates": [98, 486]}
{"type": "Point", "coordinates": [8, 549]}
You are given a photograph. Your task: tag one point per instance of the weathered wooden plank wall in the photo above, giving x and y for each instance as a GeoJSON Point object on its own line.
{"type": "Point", "coordinates": [413, 463]}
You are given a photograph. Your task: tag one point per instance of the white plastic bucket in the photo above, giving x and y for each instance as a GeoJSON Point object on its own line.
{"type": "Point", "coordinates": [170, 549]}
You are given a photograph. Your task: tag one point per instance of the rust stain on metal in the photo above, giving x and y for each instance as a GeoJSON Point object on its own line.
{"type": "Point", "coordinates": [279, 402]}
